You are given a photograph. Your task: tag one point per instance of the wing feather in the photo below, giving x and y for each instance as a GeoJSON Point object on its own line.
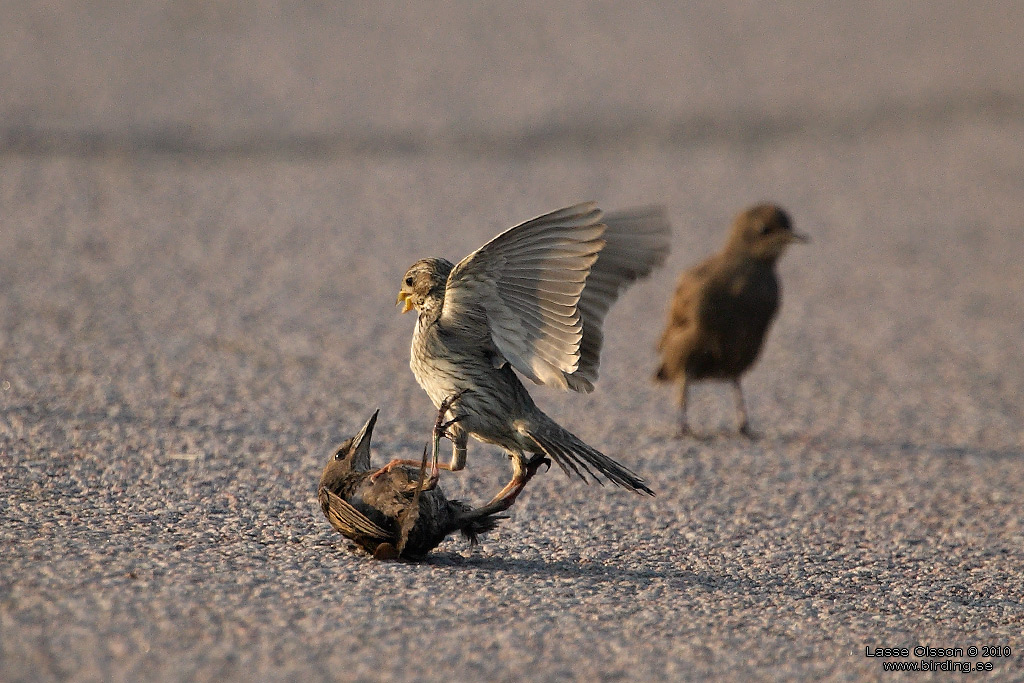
{"type": "Point", "coordinates": [636, 242]}
{"type": "Point", "coordinates": [564, 300]}
{"type": "Point", "coordinates": [528, 281]}
{"type": "Point", "coordinates": [546, 285]}
{"type": "Point", "coordinates": [349, 521]}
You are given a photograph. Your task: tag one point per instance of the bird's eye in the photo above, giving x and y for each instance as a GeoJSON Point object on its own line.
{"type": "Point", "coordinates": [408, 281]}
{"type": "Point", "coordinates": [766, 228]}
{"type": "Point", "coordinates": [340, 454]}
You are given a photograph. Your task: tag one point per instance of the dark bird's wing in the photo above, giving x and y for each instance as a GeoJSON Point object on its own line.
{"type": "Point", "coordinates": [349, 521]}
{"type": "Point", "coordinates": [636, 242]}
{"type": "Point", "coordinates": [686, 334]}
{"type": "Point", "coordinates": [528, 281]}
{"type": "Point", "coordinates": [686, 304]}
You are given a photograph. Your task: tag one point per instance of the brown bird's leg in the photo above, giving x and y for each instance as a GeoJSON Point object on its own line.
{"type": "Point", "coordinates": [399, 462]}
{"type": "Point", "coordinates": [440, 430]}
{"type": "Point", "coordinates": [412, 512]}
{"type": "Point", "coordinates": [741, 409]}
{"type": "Point", "coordinates": [457, 436]}
{"type": "Point", "coordinates": [684, 425]}
{"type": "Point", "coordinates": [522, 472]}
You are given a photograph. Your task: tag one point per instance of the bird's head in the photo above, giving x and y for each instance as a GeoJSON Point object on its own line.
{"type": "Point", "coordinates": [763, 232]}
{"type": "Point", "coordinates": [424, 281]}
{"type": "Point", "coordinates": [353, 455]}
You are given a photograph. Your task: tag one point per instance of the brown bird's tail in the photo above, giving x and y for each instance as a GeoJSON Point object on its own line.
{"type": "Point", "coordinates": [476, 521]}
{"type": "Point", "coordinates": [576, 457]}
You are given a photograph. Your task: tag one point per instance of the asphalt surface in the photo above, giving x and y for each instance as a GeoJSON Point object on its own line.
{"type": "Point", "coordinates": [205, 212]}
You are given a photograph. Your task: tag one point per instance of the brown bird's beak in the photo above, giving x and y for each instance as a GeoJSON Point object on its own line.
{"type": "Point", "coordinates": [361, 444]}
{"type": "Point", "coordinates": [404, 298]}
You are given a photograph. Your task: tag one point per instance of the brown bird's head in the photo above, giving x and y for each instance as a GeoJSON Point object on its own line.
{"type": "Point", "coordinates": [763, 232]}
{"type": "Point", "coordinates": [352, 456]}
{"type": "Point", "coordinates": [424, 282]}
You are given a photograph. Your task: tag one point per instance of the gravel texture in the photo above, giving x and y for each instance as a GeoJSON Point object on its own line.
{"type": "Point", "coordinates": [205, 211]}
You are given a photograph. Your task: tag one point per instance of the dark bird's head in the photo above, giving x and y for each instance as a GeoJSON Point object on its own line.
{"type": "Point", "coordinates": [763, 232]}
{"type": "Point", "coordinates": [424, 282]}
{"type": "Point", "coordinates": [352, 456]}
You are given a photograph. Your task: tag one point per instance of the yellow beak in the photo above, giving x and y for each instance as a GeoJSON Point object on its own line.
{"type": "Point", "coordinates": [404, 298]}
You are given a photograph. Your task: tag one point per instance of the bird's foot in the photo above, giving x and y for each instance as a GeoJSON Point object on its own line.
{"type": "Point", "coordinates": [441, 428]}
{"type": "Point", "coordinates": [747, 431]}
{"type": "Point", "coordinates": [428, 485]}
{"type": "Point", "coordinates": [440, 425]}
{"type": "Point", "coordinates": [507, 496]}
{"type": "Point", "coordinates": [384, 470]}
{"type": "Point", "coordinates": [385, 551]}
{"type": "Point", "coordinates": [534, 463]}
{"type": "Point", "coordinates": [696, 436]}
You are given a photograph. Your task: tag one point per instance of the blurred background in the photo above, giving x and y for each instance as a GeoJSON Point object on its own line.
{"type": "Point", "coordinates": [205, 212]}
{"type": "Point", "coordinates": [185, 176]}
{"type": "Point", "coordinates": [325, 80]}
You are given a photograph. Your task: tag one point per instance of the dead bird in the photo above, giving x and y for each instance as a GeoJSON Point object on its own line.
{"type": "Point", "coordinates": [724, 306]}
{"type": "Point", "coordinates": [402, 512]}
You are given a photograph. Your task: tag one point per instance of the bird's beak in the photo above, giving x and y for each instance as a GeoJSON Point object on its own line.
{"type": "Point", "coordinates": [799, 237]}
{"type": "Point", "coordinates": [361, 444]}
{"type": "Point", "coordinates": [404, 297]}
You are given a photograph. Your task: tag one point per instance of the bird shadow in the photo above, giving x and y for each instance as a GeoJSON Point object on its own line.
{"type": "Point", "coordinates": [897, 446]}
{"type": "Point", "coordinates": [708, 436]}
{"type": "Point", "coordinates": [571, 568]}
{"type": "Point", "coordinates": [821, 442]}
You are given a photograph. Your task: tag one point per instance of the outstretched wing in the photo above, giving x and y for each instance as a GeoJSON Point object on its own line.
{"type": "Point", "coordinates": [527, 282]}
{"type": "Point", "coordinates": [636, 242]}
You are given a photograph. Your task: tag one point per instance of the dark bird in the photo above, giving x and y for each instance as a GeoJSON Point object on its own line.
{"type": "Point", "coordinates": [531, 300]}
{"type": "Point", "coordinates": [401, 513]}
{"type": "Point", "coordinates": [723, 307]}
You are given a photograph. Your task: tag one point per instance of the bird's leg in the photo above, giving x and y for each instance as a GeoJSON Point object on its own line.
{"type": "Point", "coordinates": [412, 511]}
{"type": "Point", "coordinates": [441, 429]}
{"type": "Point", "coordinates": [684, 425]}
{"type": "Point", "coordinates": [459, 440]}
{"type": "Point", "coordinates": [458, 459]}
{"type": "Point", "coordinates": [522, 473]}
{"type": "Point", "coordinates": [741, 409]}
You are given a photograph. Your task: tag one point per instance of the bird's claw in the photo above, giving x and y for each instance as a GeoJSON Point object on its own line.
{"type": "Point", "coordinates": [746, 431]}
{"type": "Point", "coordinates": [383, 470]}
{"type": "Point", "coordinates": [683, 431]}
{"type": "Point", "coordinates": [441, 429]}
{"type": "Point", "coordinates": [440, 425]}
{"type": "Point", "coordinates": [449, 423]}
{"type": "Point", "coordinates": [534, 463]}
{"type": "Point", "coordinates": [449, 401]}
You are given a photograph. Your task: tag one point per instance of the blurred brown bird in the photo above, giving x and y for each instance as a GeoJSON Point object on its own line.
{"type": "Point", "coordinates": [400, 514]}
{"type": "Point", "coordinates": [532, 299]}
{"type": "Point", "coordinates": [723, 307]}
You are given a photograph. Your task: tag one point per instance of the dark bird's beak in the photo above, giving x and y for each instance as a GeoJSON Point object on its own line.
{"type": "Point", "coordinates": [361, 444]}
{"type": "Point", "coordinates": [799, 237]}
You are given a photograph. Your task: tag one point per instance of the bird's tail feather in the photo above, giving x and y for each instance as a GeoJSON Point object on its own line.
{"type": "Point", "coordinates": [480, 525]}
{"type": "Point", "coordinates": [472, 522]}
{"type": "Point", "coordinates": [576, 457]}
